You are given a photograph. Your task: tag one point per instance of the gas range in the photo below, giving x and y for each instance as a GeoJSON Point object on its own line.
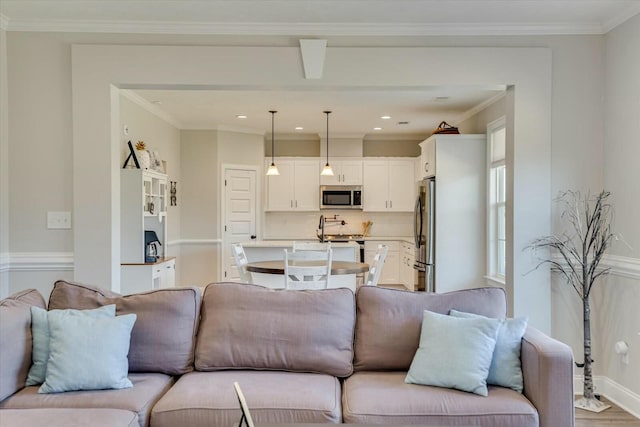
{"type": "Point", "coordinates": [344, 238]}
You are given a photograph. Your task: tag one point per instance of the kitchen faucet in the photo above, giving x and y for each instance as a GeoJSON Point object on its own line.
{"type": "Point", "coordinates": [321, 227]}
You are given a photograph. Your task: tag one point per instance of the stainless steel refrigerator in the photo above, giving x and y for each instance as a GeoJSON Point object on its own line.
{"type": "Point", "coordinates": [424, 234]}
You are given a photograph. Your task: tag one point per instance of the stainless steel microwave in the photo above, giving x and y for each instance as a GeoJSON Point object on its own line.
{"type": "Point", "coordinates": [340, 197]}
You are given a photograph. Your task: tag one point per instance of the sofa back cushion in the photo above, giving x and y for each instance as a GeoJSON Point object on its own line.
{"type": "Point", "coordinates": [163, 337]}
{"type": "Point", "coordinates": [252, 327]}
{"type": "Point", "coordinates": [389, 321]}
{"type": "Point", "coordinates": [16, 339]}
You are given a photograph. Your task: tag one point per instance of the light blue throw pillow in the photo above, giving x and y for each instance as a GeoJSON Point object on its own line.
{"type": "Point", "coordinates": [40, 333]}
{"type": "Point", "coordinates": [454, 352]}
{"type": "Point", "coordinates": [506, 368]}
{"type": "Point", "coordinates": [87, 353]}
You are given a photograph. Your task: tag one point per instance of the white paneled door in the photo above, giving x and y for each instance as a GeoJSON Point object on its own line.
{"type": "Point", "coordinates": [239, 215]}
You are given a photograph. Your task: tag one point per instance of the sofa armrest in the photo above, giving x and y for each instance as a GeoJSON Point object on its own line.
{"type": "Point", "coordinates": [547, 368]}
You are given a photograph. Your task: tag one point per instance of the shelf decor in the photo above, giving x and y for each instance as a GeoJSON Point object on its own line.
{"type": "Point", "coordinates": [143, 155]}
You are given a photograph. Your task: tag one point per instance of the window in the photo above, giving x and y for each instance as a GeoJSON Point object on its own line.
{"type": "Point", "coordinates": [497, 194]}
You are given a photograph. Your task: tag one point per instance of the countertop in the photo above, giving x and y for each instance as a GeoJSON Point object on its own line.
{"type": "Point", "coordinates": [288, 243]}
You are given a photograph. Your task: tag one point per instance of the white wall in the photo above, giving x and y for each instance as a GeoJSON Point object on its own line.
{"type": "Point", "coordinates": [567, 111]}
{"type": "Point", "coordinates": [4, 169]}
{"type": "Point", "coordinates": [199, 242]}
{"type": "Point", "coordinates": [618, 297]}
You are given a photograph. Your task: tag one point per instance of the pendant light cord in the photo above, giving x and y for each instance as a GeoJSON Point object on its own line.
{"type": "Point", "coordinates": [272, 139]}
{"type": "Point", "coordinates": [327, 113]}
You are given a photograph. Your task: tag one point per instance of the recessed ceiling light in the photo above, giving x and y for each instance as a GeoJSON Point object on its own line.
{"type": "Point", "coordinates": [299, 128]}
{"type": "Point", "coordinates": [377, 128]}
{"type": "Point", "coordinates": [385, 117]}
{"type": "Point", "coordinates": [241, 116]}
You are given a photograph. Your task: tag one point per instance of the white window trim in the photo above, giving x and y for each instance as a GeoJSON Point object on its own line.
{"type": "Point", "coordinates": [492, 276]}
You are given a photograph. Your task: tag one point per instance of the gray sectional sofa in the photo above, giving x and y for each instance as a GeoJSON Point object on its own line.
{"type": "Point", "coordinates": [300, 357]}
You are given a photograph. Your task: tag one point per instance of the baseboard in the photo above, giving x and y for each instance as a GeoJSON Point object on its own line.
{"type": "Point", "coordinates": [616, 393]}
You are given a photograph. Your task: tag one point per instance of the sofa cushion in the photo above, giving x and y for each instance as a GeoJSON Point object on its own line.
{"type": "Point", "coordinates": [69, 417]}
{"type": "Point", "coordinates": [15, 328]}
{"type": "Point", "coordinates": [146, 390]}
{"type": "Point", "coordinates": [163, 337]}
{"type": "Point", "coordinates": [87, 353]}
{"type": "Point", "coordinates": [389, 321]}
{"type": "Point", "coordinates": [506, 367]}
{"type": "Point", "coordinates": [454, 352]}
{"type": "Point", "coordinates": [384, 398]}
{"type": "Point", "coordinates": [252, 327]}
{"type": "Point", "coordinates": [202, 399]}
{"type": "Point", "coordinates": [40, 332]}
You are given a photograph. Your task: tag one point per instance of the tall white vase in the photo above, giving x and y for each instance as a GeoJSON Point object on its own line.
{"type": "Point", "coordinates": [143, 159]}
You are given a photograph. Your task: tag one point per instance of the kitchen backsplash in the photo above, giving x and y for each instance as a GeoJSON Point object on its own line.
{"type": "Point", "coordinates": [298, 225]}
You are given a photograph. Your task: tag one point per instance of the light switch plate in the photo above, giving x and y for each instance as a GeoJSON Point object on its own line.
{"type": "Point", "coordinates": [59, 220]}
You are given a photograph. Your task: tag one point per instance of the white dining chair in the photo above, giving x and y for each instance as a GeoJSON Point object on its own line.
{"type": "Point", "coordinates": [307, 269]}
{"type": "Point", "coordinates": [376, 266]}
{"type": "Point", "coordinates": [241, 263]}
{"type": "Point", "coordinates": [311, 246]}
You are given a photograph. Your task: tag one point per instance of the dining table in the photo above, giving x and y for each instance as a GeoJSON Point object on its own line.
{"type": "Point", "coordinates": [271, 273]}
{"type": "Point", "coordinates": [337, 267]}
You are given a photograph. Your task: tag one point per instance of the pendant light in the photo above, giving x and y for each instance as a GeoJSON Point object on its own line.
{"type": "Point", "coordinates": [273, 169]}
{"type": "Point", "coordinates": [327, 170]}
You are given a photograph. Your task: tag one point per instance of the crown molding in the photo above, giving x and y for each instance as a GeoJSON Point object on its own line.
{"type": "Point", "coordinates": [619, 19]}
{"type": "Point", "coordinates": [476, 109]}
{"type": "Point", "coordinates": [309, 29]}
{"type": "Point", "coordinates": [396, 137]}
{"type": "Point", "coordinates": [151, 108]}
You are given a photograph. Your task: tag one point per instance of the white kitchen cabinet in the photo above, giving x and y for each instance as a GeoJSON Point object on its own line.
{"type": "Point", "coordinates": [296, 188]}
{"type": "Point", "coordinates": [428, 157]}
{"type": "Point", "coordinates": [388, 185]}
{"type": "Point", "coordinates": [345, 172]}
{"type": "Point", "coordinates": [408, 274]}
{"type": "Point", "coordinates": [149, 276]}
{"type": "Point", "coordinates": [390, 274]}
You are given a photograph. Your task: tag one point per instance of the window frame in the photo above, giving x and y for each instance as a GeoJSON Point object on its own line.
{"type": "Point", "coordinates": [494, 168]}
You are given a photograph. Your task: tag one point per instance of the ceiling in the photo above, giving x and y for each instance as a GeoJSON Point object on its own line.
{"type": "Point", "coordinates": [354, 112]}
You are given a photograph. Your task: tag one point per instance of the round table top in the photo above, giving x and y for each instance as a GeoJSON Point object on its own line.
{"type": "Point", "coordinates": [337, 267]}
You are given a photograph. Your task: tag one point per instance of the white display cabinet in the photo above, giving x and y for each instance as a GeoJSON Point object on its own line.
{"type": "Point", "coordinates": [143, 207]}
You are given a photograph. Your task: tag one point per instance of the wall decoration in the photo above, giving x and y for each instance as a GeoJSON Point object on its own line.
{"type": "Point", "coordinates": [173, 192]}
{"type": "Point", "coordinates": [132, 155]}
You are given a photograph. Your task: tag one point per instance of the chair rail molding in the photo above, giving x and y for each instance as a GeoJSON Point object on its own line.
{"type": "Point", "coordinates": [620, 266]}
{"type": "Point", "coordinates": [194, 242]}
{"type": "Point", "coordinates": [623, 266]}
{"type": "Point", "coordinates": [39, 261]}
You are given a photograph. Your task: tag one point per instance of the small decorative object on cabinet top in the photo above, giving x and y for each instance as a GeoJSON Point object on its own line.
{"type": "Point", "coordinates": [143, 155]}
{"type": "Point", "coordinates": [445, 128]}
{"type": "Point", "coordinates": [173, 191]}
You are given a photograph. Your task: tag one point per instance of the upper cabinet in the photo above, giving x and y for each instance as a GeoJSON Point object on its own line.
{"type": "Point", "coordinates": [345, 172]}
{"type": "Point", "coordinates": [428, 157]}
{"type": "Point", "coordinates": [388, 185]}
{"type": "Point", "coordinates": [296, 188]}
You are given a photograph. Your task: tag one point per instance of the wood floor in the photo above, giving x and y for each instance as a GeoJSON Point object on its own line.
{"type": "Point", "coordinates": [612, 417]}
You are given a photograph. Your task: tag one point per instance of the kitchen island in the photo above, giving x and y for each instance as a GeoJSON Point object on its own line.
{"type": "Point", "coordinates": [273, 250]}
